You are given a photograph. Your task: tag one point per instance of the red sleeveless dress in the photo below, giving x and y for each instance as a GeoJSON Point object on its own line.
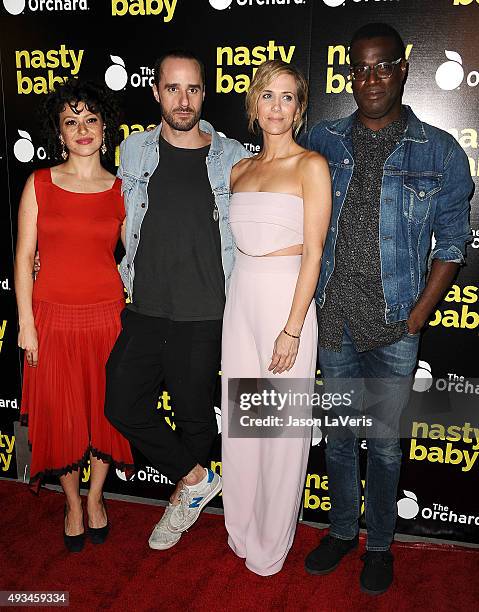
{"type": "Point", "coordinates": [77, 301]}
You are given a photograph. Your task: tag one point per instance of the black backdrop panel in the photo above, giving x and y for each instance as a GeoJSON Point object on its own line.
{"type": "Point", "coordinates": [117, 41]}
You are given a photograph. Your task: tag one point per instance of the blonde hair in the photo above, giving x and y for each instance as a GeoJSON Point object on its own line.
{"type": "Point", "coordinates": [268, 71]}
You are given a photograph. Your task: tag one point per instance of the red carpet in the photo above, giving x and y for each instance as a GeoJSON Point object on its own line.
{"type": "Point", "coordinates": [201, 573]}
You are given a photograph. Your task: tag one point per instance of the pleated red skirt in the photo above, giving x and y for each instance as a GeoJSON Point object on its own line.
{"type": "Point", "coordinates": [63, 397]}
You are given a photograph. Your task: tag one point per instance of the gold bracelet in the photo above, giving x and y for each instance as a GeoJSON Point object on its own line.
{"type": "Point", "coordinates": [291, 335]}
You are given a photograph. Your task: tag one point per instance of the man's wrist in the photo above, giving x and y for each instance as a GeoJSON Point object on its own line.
{"type": "Point", "coordinates": [416, 321]}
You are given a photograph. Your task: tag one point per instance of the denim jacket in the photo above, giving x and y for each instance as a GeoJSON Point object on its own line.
{"type": "Point", "coordinates": [139, 157]}
{"type": "Point", "coordinates": [426, 187]}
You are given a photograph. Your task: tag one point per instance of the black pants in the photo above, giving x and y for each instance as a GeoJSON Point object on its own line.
{"type": "Point", "coordinates": [184, 357]}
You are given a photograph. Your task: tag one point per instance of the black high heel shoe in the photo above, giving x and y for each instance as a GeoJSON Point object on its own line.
{"type": "Point", "coordinates": [98, 535]}
{"type": "Point", "coordinates": [73, 543]}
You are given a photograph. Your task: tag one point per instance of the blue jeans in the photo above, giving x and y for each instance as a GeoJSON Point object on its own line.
{"type": "Point", "coordinates": [385, 397]}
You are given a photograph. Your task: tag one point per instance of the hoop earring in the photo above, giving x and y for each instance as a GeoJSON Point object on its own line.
{"type": "Point", "coordinates": [64, 152]}
{"type": "Point", "coordinates": [103, 148]}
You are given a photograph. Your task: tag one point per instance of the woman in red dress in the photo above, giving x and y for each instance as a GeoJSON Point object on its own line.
{"type": "Point", "coordinates": [69, 318]}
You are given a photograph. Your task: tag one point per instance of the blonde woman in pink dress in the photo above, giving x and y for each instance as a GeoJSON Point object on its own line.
{"type": "Point", "coordinates": [279, 214]}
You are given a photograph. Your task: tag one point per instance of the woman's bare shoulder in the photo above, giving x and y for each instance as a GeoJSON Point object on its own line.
{"type": "Point", "coordinates": [312, 160]}
{"type": "Point", "coordinates": [240, 168]}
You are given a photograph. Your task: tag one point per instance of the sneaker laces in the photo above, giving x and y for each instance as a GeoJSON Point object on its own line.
{"type": "Point", "coordinates": [184, 499]}
{"type": "Point", "coordinates": [168, 509]}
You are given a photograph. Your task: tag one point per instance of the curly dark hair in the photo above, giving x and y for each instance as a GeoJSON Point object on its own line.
{"type": "Point", "coordinates": [97, 99]}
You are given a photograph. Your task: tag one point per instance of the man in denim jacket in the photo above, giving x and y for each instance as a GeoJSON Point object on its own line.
{"type": "Point", "coordinates": [396, 180]}
{"type": "Point", "coordinates": [179, 257]}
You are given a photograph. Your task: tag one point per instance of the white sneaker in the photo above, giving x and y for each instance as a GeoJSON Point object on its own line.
{"type": "Point", "coordinates": [192, 501]}
{"type": "Point", "coordinates": [161, 537]}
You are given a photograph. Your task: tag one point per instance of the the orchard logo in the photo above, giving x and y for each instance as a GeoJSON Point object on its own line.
{"type": "Point", "coordinates": [336, 3]}
{"type": "Point", "coordinates": [15, 7]}
{"type": "Point", "coordinates": [221, 5]}
{"type": "Point", "coordinates": [422, 377]}
{"type": "Point", "coordinates": [450, 74]}
{"type": "Point", "coordinates": [25, 151]}
{"type": "Point", "coordinates": [408, 508]}
{"type": "Point", "coordinates": [148, 474]}
{"type": "Point", "coordinates": [317, 436]}
{"type": "Point", "coordinates": [5, 284]}
{"type": "Point", "coordinates": [475, 242]}
{"type": "Point", "coordinates": [465, 2]}
{"type": "Point", "coordinates": [116, 76]}
{"type": "Point", "coordinates": [122, 476]}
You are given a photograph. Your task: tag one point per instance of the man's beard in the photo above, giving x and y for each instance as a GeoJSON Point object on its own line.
{"type": "Point", "coordinates": [182, 125]}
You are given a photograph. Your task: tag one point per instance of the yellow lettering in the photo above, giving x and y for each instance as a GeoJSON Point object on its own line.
{"type": "Point", "coordinates": [454, 294]}
{"type": "Point", "coordinates": [337, 83]}
{"type": "Point", "coordinates": [436, 320]}
{"type": "Point", "coordinates": [453, 433]}
{"type": "Point", "coordinates": [470, 294]}
{"type": "Point", "coordinates": [224, 82]}
{"type": "Point", "coordinates": [119, 8]}
{"type": "Point", "coordinates": [450, 318]}
{"type": "Point", "coordinates": [340, 50]}
{"type": "Point", "coordinates": [18, 58]}
{"type": "Point", "coordinates": [52, 59]}
{"type": "Point", "coordinates": [474, 166]}
{"type": "Point", "coordinates": [259, 55]}
{"type": "Point", "coordinates": [228, 51]}
{"type": "Point", "coordinates": [312, 502]}
{"type": "Point", "coordinates": [37, 59]}
{"type": "Point", "coordinates": [313, 480]}
{"type": "Point", "coordinates": [86, 473]}
{"type": "Point", "coordinates": [417, 427]}
{"type": "Point", "coordinates": [216, 466]}
{"type": "Point", "coordinates": [468, 138]}
{"type": "Point", "coordinates": [437, 432]}
{"type": "Point", "coordinates": [469, 318]}
{"type": "Point", "coordinates": [242, 56]}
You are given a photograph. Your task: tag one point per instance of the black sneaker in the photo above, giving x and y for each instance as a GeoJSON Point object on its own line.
{"type": "Point", "coordinates": [327, 556]}
{"type": "Point", "coordinates": [377, 574]}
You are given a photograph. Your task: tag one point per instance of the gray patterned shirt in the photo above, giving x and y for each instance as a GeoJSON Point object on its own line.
{"type": "Point", "coordinates": [354, 294]}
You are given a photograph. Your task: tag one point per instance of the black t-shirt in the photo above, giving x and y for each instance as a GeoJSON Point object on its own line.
{"type": "Point", "coordinates": [178, 269]}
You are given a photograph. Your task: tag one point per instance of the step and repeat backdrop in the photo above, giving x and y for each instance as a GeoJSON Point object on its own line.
{"type": "Point", "coordinates": [45, 42]}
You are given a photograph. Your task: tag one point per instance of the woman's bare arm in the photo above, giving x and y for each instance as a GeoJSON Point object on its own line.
{"type": "Point", "coordinates": [24, 259]}
{"type": "Point", "coordinates": [316, 184]}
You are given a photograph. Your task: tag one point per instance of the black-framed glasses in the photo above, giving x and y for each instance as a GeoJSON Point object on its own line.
{"type": "Point", "coordinates": [383, 70]}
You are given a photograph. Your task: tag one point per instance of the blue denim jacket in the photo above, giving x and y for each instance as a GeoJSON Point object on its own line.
{"type": "Point", "coordinates": [425, 188]}
{"type": "Point", "coordinates": [139, 157]}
